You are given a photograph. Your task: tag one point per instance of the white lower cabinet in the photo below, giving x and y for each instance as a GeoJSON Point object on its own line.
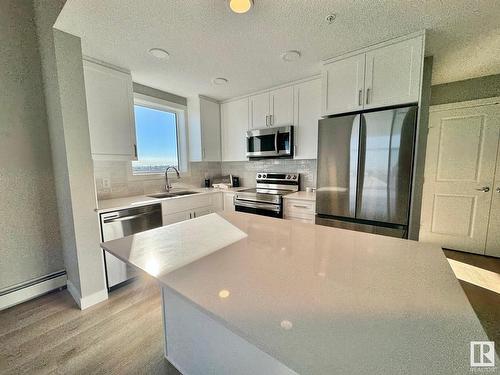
{"type": "Point", "coordinates": [190, 207]}
{"type": "Point", "coordinates": [177, 217]}
{"type": "Point", "coordinates": [229, 201]}
{"type": "Point", "coordinates": [299, 210]}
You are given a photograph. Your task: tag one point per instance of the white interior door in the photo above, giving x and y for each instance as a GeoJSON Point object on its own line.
{"type": "Point", "coordinates": [493, 239]}
{"type": "Point", "coordinates": [461, 159]}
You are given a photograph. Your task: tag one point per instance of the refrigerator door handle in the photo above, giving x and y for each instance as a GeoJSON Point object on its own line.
{"type": "Point", "coordinates": [361, 164]}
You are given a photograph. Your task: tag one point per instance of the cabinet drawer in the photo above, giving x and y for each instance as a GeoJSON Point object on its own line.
{"type": "Point", "coordinates": [309, 220]}
{"type": "Point", "coordinates": [299, 207]}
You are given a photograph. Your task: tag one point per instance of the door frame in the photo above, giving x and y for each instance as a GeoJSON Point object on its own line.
{"type": "Point", "coordinates": [465, 104]}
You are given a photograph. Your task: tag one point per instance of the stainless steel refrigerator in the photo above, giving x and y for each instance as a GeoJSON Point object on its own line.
{"type": "Point", "coordinates": [365, 171]}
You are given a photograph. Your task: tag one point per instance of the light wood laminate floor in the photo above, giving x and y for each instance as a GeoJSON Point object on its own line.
{"type": "Point", "coordinates": [123, 335]}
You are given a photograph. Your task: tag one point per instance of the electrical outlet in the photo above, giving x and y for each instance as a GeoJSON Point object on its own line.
{"type": "Point", "coordinates": [106, 183]}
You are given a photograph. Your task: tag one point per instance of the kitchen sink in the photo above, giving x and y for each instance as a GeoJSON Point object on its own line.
{"type": "Point", "coordinates": [171, 194]}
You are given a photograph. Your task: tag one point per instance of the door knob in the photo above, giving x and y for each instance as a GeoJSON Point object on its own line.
{"type": "Point", "coordinates": [484, 189]}
{"type": "Point", "coordinates": [497, 189]}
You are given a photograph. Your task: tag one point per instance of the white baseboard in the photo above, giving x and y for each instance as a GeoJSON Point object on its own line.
{"type": "Point", "coordinates": [87, 301]}
{"type": "Point", "coordinates": [23, 294]}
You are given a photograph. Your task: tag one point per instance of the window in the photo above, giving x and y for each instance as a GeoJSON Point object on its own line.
{"type": "Point", "coordinates": [157, 140]}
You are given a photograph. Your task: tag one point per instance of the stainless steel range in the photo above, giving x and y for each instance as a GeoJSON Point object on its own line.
{"type": "Point", "coordinates": [267, 198]}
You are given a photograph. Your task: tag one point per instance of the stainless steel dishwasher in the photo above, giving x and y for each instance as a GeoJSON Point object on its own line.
{"type": "Point", "coordinates": [122, 223]}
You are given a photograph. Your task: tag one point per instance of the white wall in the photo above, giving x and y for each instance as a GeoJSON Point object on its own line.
{"type": "Point", "coordinates": [62, 70]}
{"type": "Point", "coordinates": [30, 245]}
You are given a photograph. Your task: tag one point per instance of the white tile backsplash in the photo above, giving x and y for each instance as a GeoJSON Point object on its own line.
{"type": "Point", "coordinates": [121, 184]}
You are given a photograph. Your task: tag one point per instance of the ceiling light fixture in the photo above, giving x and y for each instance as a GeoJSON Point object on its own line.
{"type": "Point", "coordinates": [290, 56]}
{"type": "Point", "coordinates": [219, 81]}
{"type": "Point", "coordinates": [240, 6]}
{"type": "Point", "coordinates": [159, 53]}
{"type": "Point", "coordinates": [330, 18]}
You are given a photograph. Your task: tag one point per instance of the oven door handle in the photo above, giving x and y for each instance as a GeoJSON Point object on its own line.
{"type": "Point", "coordinates": [263, 206]}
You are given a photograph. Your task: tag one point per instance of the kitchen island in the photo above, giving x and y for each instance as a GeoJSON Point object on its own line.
{"type": "Point", "coordinates": [247, 294]}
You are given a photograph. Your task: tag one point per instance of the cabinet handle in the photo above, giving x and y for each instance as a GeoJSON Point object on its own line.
{"type": "Point", "coordinates": [484, 189]}
{"type": "Point", "coordinates": [299, 206]}
{"type": "Point", "coordinates": [190, 215]}
{"type": "Point", "coordinates": [135, 150]}
{"type": "Point", "coordinates": [267, 120]}
{"type": "Point", "coordinates": [367, 95]}
{"type": "Point", "coordinates": [360, 99]}
{"type": "Point", "coordinates": [194, 214]}
{"type": "Point", "coordinates": [270, 120]}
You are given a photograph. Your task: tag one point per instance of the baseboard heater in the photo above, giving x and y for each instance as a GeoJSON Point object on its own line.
{"type": "Point", "coordinates": [27, 290]}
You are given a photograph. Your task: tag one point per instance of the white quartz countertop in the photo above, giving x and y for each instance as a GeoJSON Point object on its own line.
{"type": "Point", "coordinates": [320, 300]}
{"type": "Point", "coordinates": [302, 195]}
{"type": "Point", "coordinates": [106, 205]}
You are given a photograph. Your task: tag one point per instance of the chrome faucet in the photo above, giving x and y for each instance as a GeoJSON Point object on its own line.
{"type": "Point", "coordinates": [167, 184]}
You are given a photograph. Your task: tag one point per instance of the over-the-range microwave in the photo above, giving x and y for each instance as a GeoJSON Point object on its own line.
{"type": "Point", "coordinates": [270, 142]}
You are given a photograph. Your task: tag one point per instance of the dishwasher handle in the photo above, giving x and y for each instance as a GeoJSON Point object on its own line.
{"type": "Point", "coordinates": [128, 217]}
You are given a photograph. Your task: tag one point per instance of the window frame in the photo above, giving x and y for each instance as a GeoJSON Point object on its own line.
{"type": "Point", "coordinates": [181, 129]}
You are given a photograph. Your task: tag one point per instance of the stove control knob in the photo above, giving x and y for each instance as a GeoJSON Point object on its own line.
{"type": "Point", "coordinates": [294, 177]}
{"type": "Point", "coordinates": [264, 176]}
{"type": "Point", "coordinates": [259, 175]}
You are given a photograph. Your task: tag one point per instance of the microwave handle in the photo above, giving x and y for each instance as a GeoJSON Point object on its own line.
{"type": "Point", "coordinates": [276, 141]}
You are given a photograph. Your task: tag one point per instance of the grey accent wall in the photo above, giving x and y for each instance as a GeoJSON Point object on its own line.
{"type": "Point", "coordinates": [470, 89]}
{"type": "Point", "coordinates": [145, 90]}
{"type": "Point", "coordinates": [30, 244]}
{"type": "Point", "coordinates": [64, 89]}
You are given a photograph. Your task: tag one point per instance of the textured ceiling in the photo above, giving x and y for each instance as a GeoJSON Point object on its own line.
{"type": "Point", "coordinates": [206, 40]}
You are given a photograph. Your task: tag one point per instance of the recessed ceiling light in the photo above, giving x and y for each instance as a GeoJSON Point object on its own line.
{"type": "Point", "coordinates": [159, 53]}
{"type": "Point", "coordinates": [330, 18]}
{"type": "Point", "coordinates": [219, 81]}
{"type": "Point", "coordinates": [290, 56]}
{"type": "Point", "coordinates": [240, 6]}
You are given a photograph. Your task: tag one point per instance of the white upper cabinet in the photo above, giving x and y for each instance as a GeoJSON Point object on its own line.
{"type": "Point", "coordinates": [259, 111]}
{"type": "Point", "coordinates": [393, 74]}
{"type": "Point", "coordinates": [308, 112]}
{"type": "Point", "coordinates": [204, 129]}
{"type": "Point", "coordinates": [382, 75]}
{"type": "Point", "coordinates": [281, 104]}
{"type": "Point", "coordinates": [234, 125]}
{"type": "Point", "coordinates": [272, 108]}
{"type": "Point", "coordinates": [343, 85]}
{"type": "Point", "coordinates": [210, 130]}
{"type": "Point", "coordinates": [110, 108]}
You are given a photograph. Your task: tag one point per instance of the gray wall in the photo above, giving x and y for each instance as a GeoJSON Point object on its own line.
{"type": "Point", "coordinates": [64, 90]}
{"type": "Point", "coordinates": [469, 89]}
{"type": "Point", "coordinates": [30, 244]}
